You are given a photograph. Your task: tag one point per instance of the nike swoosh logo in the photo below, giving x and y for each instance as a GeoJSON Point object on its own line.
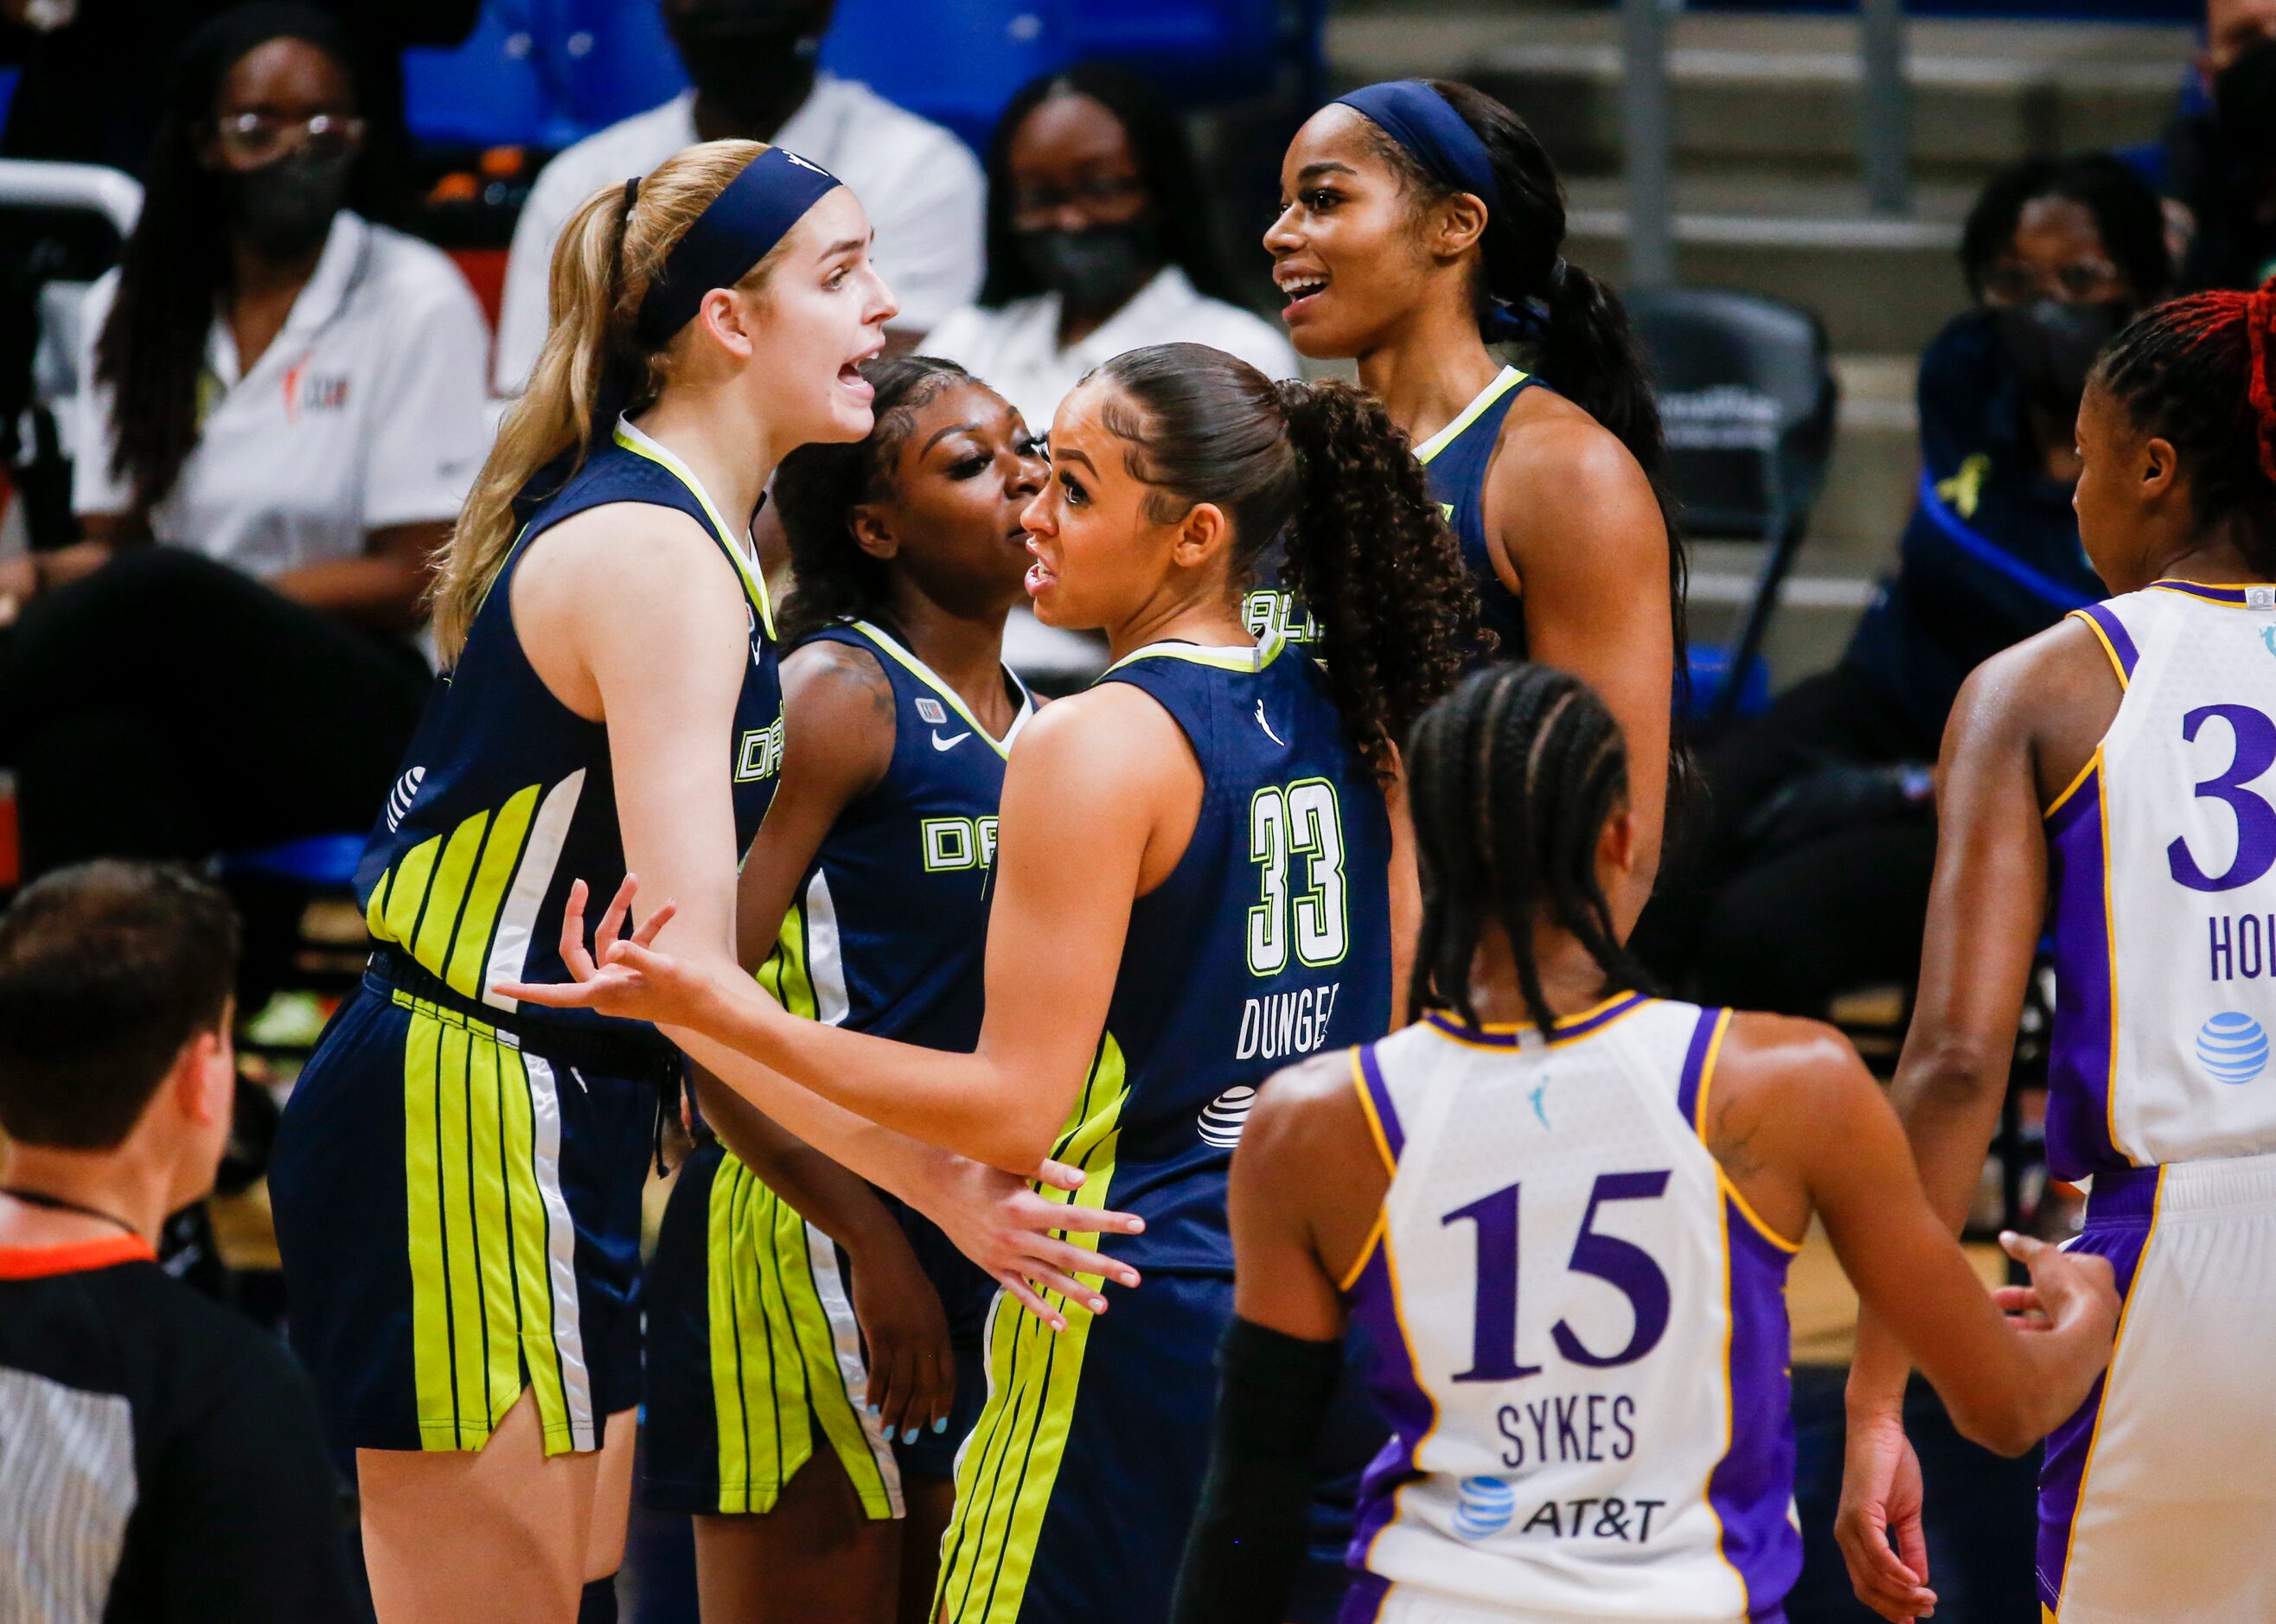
{"type": "Point", "coordinates": [939, 743]}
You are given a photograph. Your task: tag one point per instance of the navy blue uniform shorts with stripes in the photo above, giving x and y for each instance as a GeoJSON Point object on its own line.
{"type": "Point", "coordinates": [459, 1216]}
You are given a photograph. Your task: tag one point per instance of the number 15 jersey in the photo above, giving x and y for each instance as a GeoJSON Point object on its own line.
{"type": "Point", "coordinates": [2162, 870]}
{"type": "Point", "coordinates": [1579, 1333]}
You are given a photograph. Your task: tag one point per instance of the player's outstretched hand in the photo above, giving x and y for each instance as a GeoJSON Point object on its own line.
{"type": "Point", "coordinates": [621, 975]}
{"type": "Point", "coordinates": [998, 1220]}
{"type": "Point", "coordinates": [1881, 1500]}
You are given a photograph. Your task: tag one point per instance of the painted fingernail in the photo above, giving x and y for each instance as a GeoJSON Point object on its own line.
{"type": "Point", "coordinates": [874, 1410]}
{"type": "Point", "coordinates": [1098, 1305]}
{"type": "Point", "coordinates": [909, 1436]}
{"type": "Point", "coordinates": [940, 1423]}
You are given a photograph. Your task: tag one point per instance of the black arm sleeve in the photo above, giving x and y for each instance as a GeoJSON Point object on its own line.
{"type": "Point", "coordinates": [1248, 1536]}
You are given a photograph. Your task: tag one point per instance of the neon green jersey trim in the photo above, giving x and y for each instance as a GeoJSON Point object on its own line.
{"type": "Point", "coordinates": [642, 445]}
{"type": "Point", "coordinates": [925, 674]}
{"type": "Point", "coordinates": [1508, 379]}
{"type": "Point", "coordinates": [1254, 658]}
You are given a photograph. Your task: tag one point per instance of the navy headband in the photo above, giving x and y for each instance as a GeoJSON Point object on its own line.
{"type": "Point", "coordinates": [737, 229]}
{"type": "Point", "coordinates": [1427, 127]}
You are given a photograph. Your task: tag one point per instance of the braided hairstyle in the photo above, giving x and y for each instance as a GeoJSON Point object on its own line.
{"type": "Point", "coordinates": [1510, 778]}
{"type": "Point", "coordinates": [2200, 372]}
{"type": "Point", "coordinates": [817, 487]}
{"type": "Point", "coordinates": [1322, 467]}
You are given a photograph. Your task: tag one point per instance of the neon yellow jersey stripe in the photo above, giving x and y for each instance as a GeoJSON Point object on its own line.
{"type": "Point", "coordinates": [483, 1310]}
{"type": "Point", "coordinates": [755, 584]}
{"type": "Point", "coordinates": [487, 893]}
{"type": "Point", "coordinates": [1266, 650]}
{"type": "Point", "coordinates": [1006, 1471]}
{"type": "Point", "coordinates": [447, 892]}
{"type": "Point", "coordinates": [407, 892]}
{"type": "Point", "coordinates": [784, 977]}
{"type": "Point", "coordinates": [1508, 379]}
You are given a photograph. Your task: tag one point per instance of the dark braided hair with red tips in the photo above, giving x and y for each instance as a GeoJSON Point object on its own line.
{"type": "Point", "coordinates": [2200, 372]}
{"type": "Point", "coordinates": [1510, 778]}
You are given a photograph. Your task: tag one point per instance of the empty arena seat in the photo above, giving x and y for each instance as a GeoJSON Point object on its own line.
{"type": "Point", "coordinates": [500, 88]}
{"type": "Point", "coordinates": [1745, 385]}
{"type": "Point", "coordinates": [544, 72]}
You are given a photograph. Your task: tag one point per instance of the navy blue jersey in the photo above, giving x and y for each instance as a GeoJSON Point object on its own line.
{"type": "Point", "coordinates": [507, 795]}
{"type": "Point", "coordinates": [889, 930]}
{"type": "Point", "coordinates": [1270, 940]}
{"type": "Point", "coordinates": [1454, 460]}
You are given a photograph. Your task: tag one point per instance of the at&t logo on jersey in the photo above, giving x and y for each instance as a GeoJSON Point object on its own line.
{"type": "Point", "coordinates": [2233, 1048]}
{"type": "Point", "coordinates": [1224, 1117]}
{"type": "Point", "coordinates": [400, 798]}
{"type": "Point", "coordinates": [1486, 1506]}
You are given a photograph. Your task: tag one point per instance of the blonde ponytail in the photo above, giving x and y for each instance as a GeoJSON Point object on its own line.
{"type": "Point", "coordinates": [603, 264]}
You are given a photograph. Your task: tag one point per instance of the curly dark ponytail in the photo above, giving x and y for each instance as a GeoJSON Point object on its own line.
{"type": "Point", "coordinates": [1510, 778]}
{"type": "Point", "coordinates": [1322, 467]}
{"type": "Point", "coordinates": [817, 487]}
{"type": "Point", "coordinates": [1369, 557]}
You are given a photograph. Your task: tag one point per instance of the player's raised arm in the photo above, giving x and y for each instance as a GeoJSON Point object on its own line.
{"type": "Point", "coordinates": [1790, 1111]}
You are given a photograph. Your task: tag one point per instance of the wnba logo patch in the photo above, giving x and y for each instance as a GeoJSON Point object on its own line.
{"type": "Point", "coordinates": [2233, 1048]}
{"type": "Point", "coordinates": [1486, 1506]}
{"type": "Point", "coordinates": [1224, 1117]}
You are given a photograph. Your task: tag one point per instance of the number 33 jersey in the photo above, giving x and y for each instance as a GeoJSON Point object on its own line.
{"type": "Point", "coordinates": [1579, 1333]}
{"type": "Point", "coordinates": [1270, 940]}
{"type": "Point", "coordinates": [2162, 871]}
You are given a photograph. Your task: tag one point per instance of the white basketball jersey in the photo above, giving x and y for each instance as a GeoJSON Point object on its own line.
{"type": "Point", "coordinates": [2162, 864]}
{"type": "Point", "coordinates": [1579, 1333]}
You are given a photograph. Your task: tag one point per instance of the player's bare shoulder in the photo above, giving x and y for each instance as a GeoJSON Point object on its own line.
{"type": "Point", "coordinates": [1307, 1117]}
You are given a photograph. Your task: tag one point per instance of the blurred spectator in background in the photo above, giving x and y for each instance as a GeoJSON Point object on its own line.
{"type": "Point", "coordinates": [95, 71]}
{"type": "Point", "coordinates": [160, 1457]}
{"type": "Point", "coordinates": [2220, 160]}
{"type": "Point", "coordinates": [1812, 876]}
{"type": "Point", "coordinates": [281, 407]}
{"type": "Point", "coordinates": [753, 67]}
{"type": "Point", "coordinates": [1099, 241]}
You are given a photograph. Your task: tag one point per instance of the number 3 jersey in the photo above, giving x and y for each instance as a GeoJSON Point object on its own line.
{"type": "Point", "coordinates": [2162, 859]}
{"type": "Point", "coordinates": [1270, 940]}
{"type": "Point", "coordinates": [1579, 1331]}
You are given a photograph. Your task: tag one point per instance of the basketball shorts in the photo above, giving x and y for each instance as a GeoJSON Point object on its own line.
{"type": "Point", "coordinates": [1076, 1489]}
{"type": "Point", "coordinates": [2156, 1499]}
{"type": "Point", "coordinates": [754, 1358]}
{"type": "Point", "coordinates": [459, 1212]}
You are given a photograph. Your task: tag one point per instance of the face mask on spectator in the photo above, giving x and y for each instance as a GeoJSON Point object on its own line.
{"type": "Point", "coordinates": [1097, 268]}
{"type": "Point", "coordinates": [756, 59]}
{"type": "Point", "coordinates": [285, 207]}
{"type": "Point", "coordinates": [2051, 344]}
{"type": "Point", "coordinates": [2244, 103]}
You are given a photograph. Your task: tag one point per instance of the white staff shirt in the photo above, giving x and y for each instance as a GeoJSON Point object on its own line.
{"type": "Point", "coordinates": [1015, 350]}
{"type": "Point", "coordinates": [365, 411]}
{"type": "Point", "coordinates": [920, 185]}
